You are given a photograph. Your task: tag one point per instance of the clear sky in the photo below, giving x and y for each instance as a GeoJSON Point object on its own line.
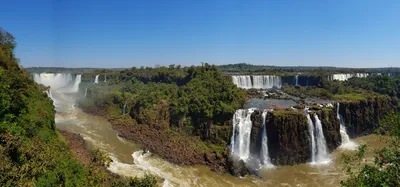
{"type": "Point", "coordinates": [126, 33]}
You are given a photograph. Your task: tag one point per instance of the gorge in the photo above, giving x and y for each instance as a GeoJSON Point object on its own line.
{"type": "Point", "coordinates": [265, 140]}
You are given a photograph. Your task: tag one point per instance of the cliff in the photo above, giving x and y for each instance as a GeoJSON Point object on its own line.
{"type": "Point", "coordinates": [288, 141]}
{"type": "Point", "coordinates": [362, 117]}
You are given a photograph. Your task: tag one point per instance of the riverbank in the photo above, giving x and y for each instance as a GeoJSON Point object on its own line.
{"type": "Point", "coordinates": [78, 148]}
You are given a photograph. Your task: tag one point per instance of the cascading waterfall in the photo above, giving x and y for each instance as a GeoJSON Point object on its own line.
{"type": "Point", "coordinates": [75, 87]}
{"type": "Point", "coordinates": [96, 79]}
{"type": "Point", "coordinates": [297, 80]}
{"type": "Point", "coordinates": [311, 131]}
{"type": "Point", "coordinates": [257, 81]}
{"type": "Point", "coordinates": [322, 152]}
{"type": "Point", "coordinates": [86, 91]}
{"type": "Point", "coordinates": [105, 78]}
{"type": "Point", "coordinates": [264, 154]}
{"type": "Point", "coordinates": [240, 140]}
{"type": "Point", "coordinates": [242, 81]}
{"type": "Point", "coordinates": [319, 151]}
{"type": "Point", "coordinates": [346, 142]}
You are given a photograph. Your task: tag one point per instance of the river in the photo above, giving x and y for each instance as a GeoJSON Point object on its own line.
{"type": "Point", "coordinates": [130, 160]}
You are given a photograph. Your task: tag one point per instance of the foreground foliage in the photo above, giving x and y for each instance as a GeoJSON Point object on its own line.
{"type": "Point", "coordinates": [385, 170]}
{"type": "Point", "coordinates": [32, 153]}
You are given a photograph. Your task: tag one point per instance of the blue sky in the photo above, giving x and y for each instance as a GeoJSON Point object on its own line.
{"type": "Point", "coordinates": [82, 33]}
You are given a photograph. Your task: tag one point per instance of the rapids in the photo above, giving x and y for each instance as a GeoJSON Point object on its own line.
{"type": "Point", "coordinates": [130, 160]}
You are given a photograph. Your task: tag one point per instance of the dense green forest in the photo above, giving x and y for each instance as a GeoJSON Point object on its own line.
{"type": "Point", "coordinates": [32, 151]}
{"type": "Point", "coordinates": [190, 99]}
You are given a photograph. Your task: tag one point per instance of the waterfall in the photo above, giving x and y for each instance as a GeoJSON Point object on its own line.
{"type": "Point", "coordinates": [311, 131]}
{"type": "Point", "coordinates": [105, 78]}
{"type": "Point", "coordinates": [257, 81]}
{"type": "Point", "coordinates": [345, 77]}
{"type": "Point", "coordinates": [240, 140]}
{"type": "Point", "coordinates": [85, 92]}
{"type": "Point", "coordinates": [96, 79]}
{"type": "Point", "coordinates": [264, 154]}
{"type": "Point", "coordinates": [346, 142]}
{"type": "Point", "coordinates": [124, 109]}
{"type": "Point", "coordinates": [319, 150]}
{"type": "Point", "coordinates": [297, 80]}
{"type": "Point", "coordinates": [55, 81]}
{"type": "Point", "coordinates": [48, 92]}
{"type": "Point", "coordinates": [322, 151]}
{"type": "Point", "coordinates": [78, 80]}
{"type": "Point", "coordinates": [243, 81]}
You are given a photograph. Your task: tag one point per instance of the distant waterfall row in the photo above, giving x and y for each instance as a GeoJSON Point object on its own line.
{"type": "Point", "coordinates": [58, 81]}
{"type": "Point", "coordinates": [257, 81]}
{"type": "Point", "coordinates": [345, 77]}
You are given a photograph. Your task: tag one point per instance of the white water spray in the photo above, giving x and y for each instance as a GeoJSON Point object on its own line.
{"type": "Point", "coordinates": [264, 154]}
{"type": "Point", "coordinates": [240, 140]}
{"type": "Point", "coordinates": [346, 142]}
{"type": "Point", "coordinates": [96, 79]}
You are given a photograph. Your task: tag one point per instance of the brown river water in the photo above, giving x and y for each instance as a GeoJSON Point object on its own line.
{"type": "Point", "coordinates": [129, 160]}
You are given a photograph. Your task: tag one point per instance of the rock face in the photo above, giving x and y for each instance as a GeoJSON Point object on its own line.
{"type": "Point", "coordinates": [288, 137]}
{"type": "Point", "coordinates": [362, 117]}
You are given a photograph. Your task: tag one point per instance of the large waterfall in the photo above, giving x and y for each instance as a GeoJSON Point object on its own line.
{"type": "Point", "coordinates": [264, 155]}
{"type": "Point", "coordinates": [345, 77]}
{"type": "Point", "coordinates": [58, 81]}
{"type": "Point", "coordinates": [96, 79]}
{"type": "Point", "coordinates": [240, 140]}
{"type": "Point", "coordinates": [346, 142]}
{"type": "Point", "coordinates": [319, 151]}
{"type": "Point", "coordinates": [257, 81]}
{"type": "Point", "coordinates": [55, 81]}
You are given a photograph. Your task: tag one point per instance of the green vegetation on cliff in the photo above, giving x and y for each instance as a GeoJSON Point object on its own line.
{"type": "Point", "coordinates": [32, 152]}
